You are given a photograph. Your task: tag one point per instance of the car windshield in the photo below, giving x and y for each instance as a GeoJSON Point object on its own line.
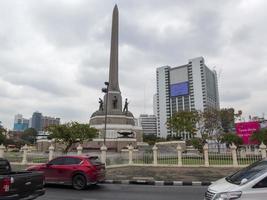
{"type": "Point", "coordinates": [250, 172]}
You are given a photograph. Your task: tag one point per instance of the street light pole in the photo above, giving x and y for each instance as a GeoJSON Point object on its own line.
{"type": "Point", "coordinates": [106, 90]}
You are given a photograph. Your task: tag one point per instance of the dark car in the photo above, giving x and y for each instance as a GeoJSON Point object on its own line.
{"type": "Point", "coordinates": [21, 184]}
{"type": "Point", "coordinates": [78, 171]}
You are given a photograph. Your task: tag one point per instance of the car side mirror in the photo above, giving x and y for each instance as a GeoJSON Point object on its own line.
{"type": "Point", "coordinates": [243, 181]}
{"type": "Point", "coordinates": [48, 164]}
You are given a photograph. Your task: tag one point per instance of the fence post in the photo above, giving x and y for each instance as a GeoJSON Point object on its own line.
{"type": "Point", "coordinates": [179, 153]}
{"type": "Point", "coordinates": [2, 150]}
{"type": "Point", "coordinates": [263, 150]}
{"type": "Point", "coordinates": [79, 149]}
{"type": "Point", "coordinates": [24, 157]}
{"type": "Point", "coordinates": [155, 155]}
{"type": "Point", "coordinates": [234, 155]}
{"type": "Point", "coordinates": [104, 154]}
{"type": "Point", "coordinates": [130, 148]}
{"type": "Point", "coordinates": [206, 155]}
{"type": "Point", "coordinates": [242, 153]}
{"type": "Point", "coordinates": [51, 152]}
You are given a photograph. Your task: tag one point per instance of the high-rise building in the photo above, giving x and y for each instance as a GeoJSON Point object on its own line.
{"type": "Point", "coordinates": [148, 124]}
{"type": "Point", "coordinates": [20, 123]}
{"type": "Point", "coordinates": [163, 100]}
{"type": "Point", "coordinates": [188, 87]}
{"type": "Point", "coordinates": [37, 121]}
{"type": "Point", "coordinates": [47, 121]}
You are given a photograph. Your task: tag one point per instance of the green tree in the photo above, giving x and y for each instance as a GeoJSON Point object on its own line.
{"type": "Point", "coordinates": [29, 135]}
{"type": "Point", "coordinates": [2, 135]}
{"type": "Point", "coordinates": [259, 136]}
{"type": "Point", "coordinates": [71, 133]}
{"type": "Point", "coordinates": [152, 139]}
{"type": "Point", "coordinates": [183, 122]}
{"type": "Point", "coordinates": [208, 124]}
{"type": "Point", "coordinates": [227, 116]}
{"type": "Point", "coordinates": [229, 138]}
{"type": "Point", "coordinates": [212, 122]}
{"type": "Point", "coordinates": [171, 137]}
{"type": "Point", "coordinates": [198, 142]}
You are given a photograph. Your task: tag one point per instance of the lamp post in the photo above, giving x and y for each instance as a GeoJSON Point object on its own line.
{"type": "Point", "coordinates": [105, 90]}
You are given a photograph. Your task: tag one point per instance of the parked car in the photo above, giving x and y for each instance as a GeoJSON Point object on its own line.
{"type": "Point", "coordinates": [78, 171]}
{"type": "Point", "coordinates": [246, 184]}
{"type": "Point", "coordinates": [19, 185]}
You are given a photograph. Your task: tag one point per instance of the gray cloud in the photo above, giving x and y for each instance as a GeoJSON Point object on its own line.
{"type": "Point", "coordinates": [235, 95]}
{"type": "Point", "coordinates": [54, 56]}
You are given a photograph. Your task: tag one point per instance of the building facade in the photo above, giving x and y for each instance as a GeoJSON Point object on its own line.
{"type": "Point", "coordinates": [20, 123]}
{"type": "Point", "coordinates": [148, 124]}
{"type": "Point", "coordinates": [48, 121]}
{"type": "Point", "coordinates": [163, 100]}
{"type": "Point", "coordinates": [188, 87]}
{"type": "Point", "coordinates": [37, 121]}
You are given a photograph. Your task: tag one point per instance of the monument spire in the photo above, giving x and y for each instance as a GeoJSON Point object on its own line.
{"type": "Point", "coordinates": [114, 54]}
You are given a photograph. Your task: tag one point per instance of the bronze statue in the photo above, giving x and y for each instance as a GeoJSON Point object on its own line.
{"type": "Point", "coordinates": [101, 108]}
{"type": "Point", "coordinates": [114, 102]}
{"type": "Point", "coordinates": [125, 109]}
{"type": "Point", "coordinates": [126, 134]}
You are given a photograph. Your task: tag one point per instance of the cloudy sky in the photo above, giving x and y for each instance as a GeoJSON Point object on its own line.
{"type": "Point", "coordinates": [54, 54]}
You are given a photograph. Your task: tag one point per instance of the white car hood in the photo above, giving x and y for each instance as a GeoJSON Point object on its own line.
{"type": "Point", "coordinates": [223, 186]}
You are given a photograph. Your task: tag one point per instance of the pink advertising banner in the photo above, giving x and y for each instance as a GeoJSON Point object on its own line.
{"type": "Point", "coordinates": [246, 129]}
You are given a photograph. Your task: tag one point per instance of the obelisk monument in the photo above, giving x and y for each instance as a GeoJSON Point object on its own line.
{"type": "Point", "coordinates": [114, 52]}
{"type": "Point", "coordinates": [114, 95]}
{"type": "Point", "coordinates": [111, 118]}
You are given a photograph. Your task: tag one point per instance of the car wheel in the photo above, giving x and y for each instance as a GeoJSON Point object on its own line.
{"type": "Point", "coordinates": [79, 182]}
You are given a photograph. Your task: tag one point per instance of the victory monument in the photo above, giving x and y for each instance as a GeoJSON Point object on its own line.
{"type": "Point", "coordinates": [113, 119]}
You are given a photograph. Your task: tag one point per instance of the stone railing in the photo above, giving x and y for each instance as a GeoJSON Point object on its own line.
{"type": "Point", "coordinates": [233, 157]}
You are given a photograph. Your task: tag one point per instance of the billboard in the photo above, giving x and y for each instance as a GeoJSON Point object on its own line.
{"type": "Point", "coordinates": [179, 89]}
{"type": "Point", "coordinates": [246, 129]}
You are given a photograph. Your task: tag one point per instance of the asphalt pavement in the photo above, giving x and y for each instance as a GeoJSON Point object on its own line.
{"type": "Point", "coordinates": [125, 192]}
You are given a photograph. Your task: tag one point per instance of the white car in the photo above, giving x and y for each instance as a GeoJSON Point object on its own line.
{"type": "Point", "coordinates": [249, 183]}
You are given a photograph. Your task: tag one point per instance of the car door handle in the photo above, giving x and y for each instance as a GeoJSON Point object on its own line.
{"type": "Point", "coordinates": [28, 183]}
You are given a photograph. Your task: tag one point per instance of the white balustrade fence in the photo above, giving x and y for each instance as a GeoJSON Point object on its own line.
{"type": "Point", "coordinates": [189, 157]}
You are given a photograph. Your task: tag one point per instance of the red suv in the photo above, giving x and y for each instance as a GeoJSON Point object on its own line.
{"type": "Point", "coordinates": [78, 171]}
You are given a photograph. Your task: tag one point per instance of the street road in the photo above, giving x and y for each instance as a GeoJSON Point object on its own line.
{"type": "Point", "coordinates": [125, 192]}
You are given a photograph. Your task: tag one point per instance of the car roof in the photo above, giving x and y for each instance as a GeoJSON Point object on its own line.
{"type": "Point", "coordinates": [76, 156]}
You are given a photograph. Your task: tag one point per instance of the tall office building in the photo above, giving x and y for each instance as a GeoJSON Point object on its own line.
{"type": "Point", "coordinates": [20, 123]}
{"type": "Point", "coordinates": [188, 87]}
{"type": "Point", "coordinates": [47, 121]}
{"type": "Point", "coordinates": [37, 121]}
{"type": "Point", "coordinates": [148, 124]}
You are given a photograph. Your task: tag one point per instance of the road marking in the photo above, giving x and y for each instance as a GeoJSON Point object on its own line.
{"type": "Point", "coordinates": [159, 182]}
{"type": "Point", "coordinates": [196, 183]}
{"type": "Point", "coordinates": [125, 181]}
{"type": "Point", "coordinates": [177, 183]}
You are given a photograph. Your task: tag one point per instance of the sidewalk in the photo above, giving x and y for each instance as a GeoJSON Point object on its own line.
{"type": "Point", "coordinates": [202, 174]}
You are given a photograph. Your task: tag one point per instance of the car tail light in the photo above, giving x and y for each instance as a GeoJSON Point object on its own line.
{"type": "Point", "coordinates": [90, 166]}
{"type": "Point", "coordinates": [5, 185]}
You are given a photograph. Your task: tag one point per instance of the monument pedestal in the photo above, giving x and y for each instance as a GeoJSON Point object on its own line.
{"type": "Point", "coordinates": [115, 124]}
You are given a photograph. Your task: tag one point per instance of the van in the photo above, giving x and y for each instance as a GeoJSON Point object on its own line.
{"type": "Point", "coordinates": [246, 184]}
